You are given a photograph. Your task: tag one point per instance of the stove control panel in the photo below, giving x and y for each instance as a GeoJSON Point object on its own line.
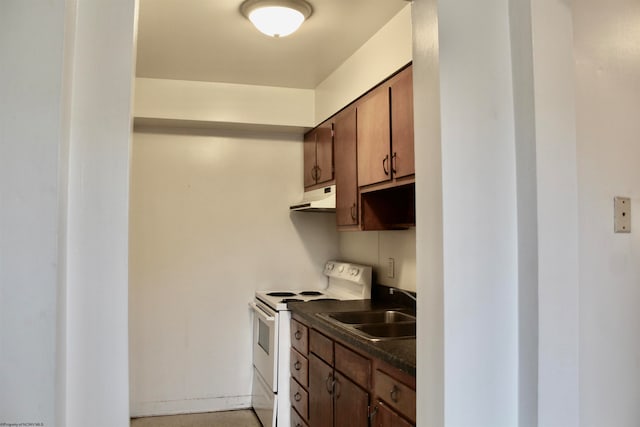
{"type": "Point", "coordinates": [350, 272]}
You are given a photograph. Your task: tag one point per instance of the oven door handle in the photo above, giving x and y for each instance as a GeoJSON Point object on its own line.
{"type": "Point", "coordinates": [261, 312]}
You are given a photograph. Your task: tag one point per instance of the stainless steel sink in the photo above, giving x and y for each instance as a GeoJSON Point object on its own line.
{"type": "Point", "coordinates": [389, 330]}
{"type": "Point", "coordinates": [382, 316]}
{"type": "Point", "coordinates": [375, 325]}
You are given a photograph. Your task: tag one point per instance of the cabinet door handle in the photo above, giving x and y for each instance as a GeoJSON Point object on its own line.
{"type": "Point", "coordinates": [373, 413]}
{"type": "Point", "coordinates": [394, 394]}
{"type": "Point", "coordinates": [318, 173]}
{"type": "Point", "coordinates": [329, 383]}
{"type": "Point", "coordinates": [394, 160]}
{"type": "Point", "coordinates": [353, 212]}
{"type": "Point", "coordinates": [297, 335]}
{"type": "Point", "coordinates": [297, 396]}
{"type": "Point", "coordinates": [384, 164]}
{"type": "Point", "coordinates": [297, 365]}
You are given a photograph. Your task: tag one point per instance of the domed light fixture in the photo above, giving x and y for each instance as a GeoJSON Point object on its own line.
{"type": "Point", "coordinates": [276, 18]}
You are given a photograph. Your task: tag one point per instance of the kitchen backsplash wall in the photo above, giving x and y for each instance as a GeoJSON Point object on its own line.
{"type": "Point", "coordinates": [377, 247]}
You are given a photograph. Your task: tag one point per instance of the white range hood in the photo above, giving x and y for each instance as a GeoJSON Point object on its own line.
{"type": "Point", "coordinates": [319, 200]}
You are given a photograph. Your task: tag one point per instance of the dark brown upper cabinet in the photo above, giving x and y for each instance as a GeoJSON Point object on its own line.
{"type": "Point", "coordinates": [367, 149]}
{"type": "Point", "coordinates": [318, 155]}
{"type": "Point", "coordinates": [344, 141]}
{"type": "Point", "coordinates": [402, 154]}
{"type": "Point", "coordinates": [385, 131]}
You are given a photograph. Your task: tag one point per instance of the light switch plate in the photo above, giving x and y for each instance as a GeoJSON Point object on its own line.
{"type": "Point", "coordinates": [391, 268]}
{"type": "Point", "coordinates": [622, 214]}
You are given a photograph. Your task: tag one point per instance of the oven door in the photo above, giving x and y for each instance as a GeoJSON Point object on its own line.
{"type": "Point", "coordinates": [265, 344]}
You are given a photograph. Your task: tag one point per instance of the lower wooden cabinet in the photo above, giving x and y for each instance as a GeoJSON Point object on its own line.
{"type": "Point", "coordinates": [335, 400]}
{"type": "Point", "coordinates": [351, 403]}
{"type": "Point", "coordinates": [297, 420]}
{"type": "Point", "coordinates": [347, 388]}
{"type": "Point", "coordinates": [396, 394]}
{"type": "Point", "coordinates": [321, 382]}
{"type": "Point", "coordinates": [299, 398]}
{"type": "Point", "coordinates": [299, 368]}
{"type": "Point", "coordinates": [383, 416]}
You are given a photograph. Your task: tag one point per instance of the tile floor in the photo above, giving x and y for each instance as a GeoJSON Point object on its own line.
{"type": "Point", "coordinates": [244, 418]}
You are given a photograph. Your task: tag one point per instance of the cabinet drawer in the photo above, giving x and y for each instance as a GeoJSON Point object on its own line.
{"type": "Point", "coordinates": [321, 346]}
{"type": "Point", "coordinates": [356, 367]}
{"type": "Point", "coordinates": [396, 395]}
{"type": "Point", "coordinates": [299, 337]}
{"type": "Point", "coordinates": [296, 419]}
{"type": "Point", "coordinates": [299, 399]}
{"type": "Point", "coordinates": [299, 368]}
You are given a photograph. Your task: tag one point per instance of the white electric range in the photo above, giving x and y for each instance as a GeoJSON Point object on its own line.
{"type": "Point", "coordinates": [272, 340]}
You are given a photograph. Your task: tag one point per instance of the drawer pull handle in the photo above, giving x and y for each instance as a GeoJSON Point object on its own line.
{"type": "Point", "coordinates": [297, 396]}
{"type": "Point", "coordinates": [297, 365]}
{"type": "Point", "coordinates": [394, 394]}
{"type": "Point", "coordinates": [298, 335]}
{"type": "Point", "coordinates": [298, 425]}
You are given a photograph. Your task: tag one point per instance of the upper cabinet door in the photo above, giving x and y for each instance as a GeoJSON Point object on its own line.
{"type": "Point", "coordinates": [402, 124]}
{"type": "Point", "coordinates": [344, 140]}
{"type": "Point", "coordinates": [324, 152]}
{"type": "Point", "coordinates": [310, 158]}
{"type": "Point", "coordinates": [374, 142]}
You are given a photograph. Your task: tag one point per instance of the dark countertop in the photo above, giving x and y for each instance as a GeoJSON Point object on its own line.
{"type": "Point", "coordinates": [399, 353]}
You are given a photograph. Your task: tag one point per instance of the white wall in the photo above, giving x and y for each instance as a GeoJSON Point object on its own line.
{"type": "Point", "coordinates": [383, 54]}
{"type": "Point", "coordinates": [607, 71]}
{"type": "Point", "coordinates": [508, 151]}
{"type": "Point", "coordinates": [224, 103]}
{"type": "Point", "coordinates": [31, 136]}
{"type": "Point", "coordinates": [210, 225]}
{"type": "Point", "coordinates": [65, 120]}
{"type": "Point", "coordinates": [96, 366]}
{"type": "Point", "coordinates": [558, 265]}
{"type": "Point", "coordinates": [479, 214]}
{"type": "Point", "coordinates": [526, 184]}
{"type": "Point", "coordinates": [575, 96]}
{"type": "Point", "coordinates": [429, 239]}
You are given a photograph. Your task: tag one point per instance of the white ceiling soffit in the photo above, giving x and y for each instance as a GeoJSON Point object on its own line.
{"type": "Point", "coordinates": [210, 40]}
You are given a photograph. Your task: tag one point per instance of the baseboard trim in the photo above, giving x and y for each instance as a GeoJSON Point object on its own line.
{"type": "Point", "coordinates": [189, 406]}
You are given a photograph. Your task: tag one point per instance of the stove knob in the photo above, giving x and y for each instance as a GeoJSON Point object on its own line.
{"type": "Point", "coordinates": [355, 271]}
{"type": "Point", "coordinates": [341, 268]}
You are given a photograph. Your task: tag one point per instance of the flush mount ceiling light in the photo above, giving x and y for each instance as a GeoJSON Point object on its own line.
{"type": "Point", "coordinates": [276, 18]}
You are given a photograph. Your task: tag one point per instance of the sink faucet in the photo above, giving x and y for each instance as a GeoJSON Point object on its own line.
{"type": "Point", "coordinates": [402, 291]}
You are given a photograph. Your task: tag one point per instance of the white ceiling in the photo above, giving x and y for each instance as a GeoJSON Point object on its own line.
{"type": "Point", "coordinates": [209, 40]}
